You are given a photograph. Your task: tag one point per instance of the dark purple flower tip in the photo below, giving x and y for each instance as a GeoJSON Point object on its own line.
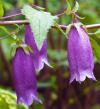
{"type": "Point", "coordinates": [24, 78]}
{"type": "Point", "coordinates": [39, 57]}
{"type": "Point", "coordinates": [80, 55]}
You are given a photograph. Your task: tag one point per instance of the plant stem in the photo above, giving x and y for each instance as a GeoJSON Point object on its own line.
{"type": "Point", "coordinates": [10, 16]}
{"type": "Point", "coordinates": [92, 26]}
{"type": "Point", "coordinates": [20, 14]}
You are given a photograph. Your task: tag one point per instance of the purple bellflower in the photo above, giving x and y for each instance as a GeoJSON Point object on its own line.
{"type": "Point", "coordinates": [80, 54]}
{"type": "Point", "coordinates": [40, 57]}
{"type": "Point", "coordinates": [24, 78]}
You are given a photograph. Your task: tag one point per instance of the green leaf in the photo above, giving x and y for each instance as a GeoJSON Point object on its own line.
{"type": "Point", "coordinates": [68, 11]}
{"type": "Point", "coordinates": [31, 1]}
{"type": "Point", "coordinates": [4, 29]}
{"type": "Point", "coordinates": [1, 9]}
{"type": "Point", "coordinates": [40, 23]}
{"type": "Point", "coordinates": [97, 33]}
{"type": "Point", "coordinates": [76, 7]}
{"type": "Point", "coordinates": [96, 48]}
{"type": "Point", "coordinates": [8, 100]}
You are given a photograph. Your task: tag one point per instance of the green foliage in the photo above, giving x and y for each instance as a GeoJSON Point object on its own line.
{"type": "Point", "coordinates": [59, 56]}
{"type": "Point", "coordinates": [53, 6]}
{"type": "Point", "coordinates": [68, 11]}
{"type": "Point", "coordinates": [40, 23]}
{"type": "Point", "coordinates": [27, 49]}
{"type": "Point", "coordinates": [4, 29]}
{"type": "Point", "coordinates": [1, 9]}
{"type": "Point", "coordinates": [7, 5]}
{"type": "Point", "coordinates": [50, 83]}
{"type": "Point", "coordinates": [96, 48]}
{"type": "Point", "coordinates": [76, 7]}
{"type": "Point", "coordinates": [8, 100]}
{"type": "Point", "coordinates": [31, 1]}
{"type": "Point", "coordinates": [97, 33]}
{"type": "Point", "coordinates": [5, 45]}
{"type": "Point", "coordinates": [96, 106]}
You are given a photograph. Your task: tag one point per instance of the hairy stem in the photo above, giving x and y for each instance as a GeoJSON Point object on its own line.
{"type": "Point", "coordinates": [92, 26]}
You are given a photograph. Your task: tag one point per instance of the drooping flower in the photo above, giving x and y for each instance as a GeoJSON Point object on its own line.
{"type": "Point", "coordinates": [40, 57]}
{"type": "Point", "coordinates": [80, 54]}
{"type": "Point", "coordinates": [24, 76]}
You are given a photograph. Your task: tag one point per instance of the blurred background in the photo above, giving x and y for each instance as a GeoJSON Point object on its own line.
{"type": "Point", "coordinates": [53, 83]}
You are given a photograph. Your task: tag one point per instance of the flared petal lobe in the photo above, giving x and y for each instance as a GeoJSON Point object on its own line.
{"type": "Point", "coordinates": [24, 78]}
{"type": "Point", "coordinates": [80, 55]}
{"type": "Point", "coordinates": [39, 57]}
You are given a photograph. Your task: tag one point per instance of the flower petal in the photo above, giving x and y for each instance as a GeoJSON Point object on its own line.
{"type": "Point", "coordinates": [38, 56]}
{"type": "Point", "coordinates": [24, 77]}
{"type": "Point", "coordinates": [80, 55]}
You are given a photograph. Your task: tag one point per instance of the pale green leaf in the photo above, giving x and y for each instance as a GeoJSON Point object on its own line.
{"type": "Point", "coordinates": [76, 7]}
{"type": "Point", "coordinates": [40, 23]}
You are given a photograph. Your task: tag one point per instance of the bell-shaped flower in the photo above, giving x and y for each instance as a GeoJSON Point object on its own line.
{"type": "Point", "coordinates": [39, 57]}
{"type": "Point", "coordinates": [80, 55]}
{"type": "Point", "coordinates": [24, 77]}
